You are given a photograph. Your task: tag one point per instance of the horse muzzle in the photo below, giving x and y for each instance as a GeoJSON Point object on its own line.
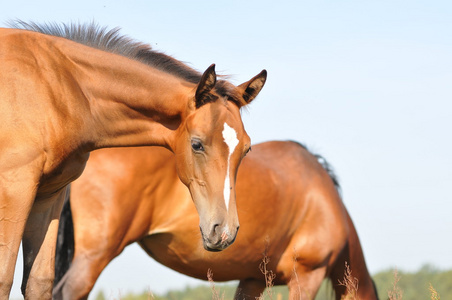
{"type": "Point", "coordinates": [219, 238]}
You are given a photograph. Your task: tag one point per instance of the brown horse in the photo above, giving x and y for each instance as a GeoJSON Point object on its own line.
{"type": "Point", "coordinates": [287, 201]}
{"type": "Point", "coordinates": [68, 90]}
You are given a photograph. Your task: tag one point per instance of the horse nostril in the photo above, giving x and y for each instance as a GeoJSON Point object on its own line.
{"type": "Point", "coordinates": [237, 230]}
{"type": "Point", "coordinates": [215, 229]}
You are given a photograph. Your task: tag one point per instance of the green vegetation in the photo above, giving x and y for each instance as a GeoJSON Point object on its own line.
{"type": "Point", "coordinates": [427, 283]}
{"type": "Point", "coordinates": [416, 285]}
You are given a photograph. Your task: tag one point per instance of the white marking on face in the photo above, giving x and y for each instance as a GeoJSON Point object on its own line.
{"type": "Point", "coordinates": [230, 138]}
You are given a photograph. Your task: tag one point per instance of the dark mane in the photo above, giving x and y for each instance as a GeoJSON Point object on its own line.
{"type": "Point", "coordinates": [101, 38]}
{"type": "Point", "coordinates": [325, 164]}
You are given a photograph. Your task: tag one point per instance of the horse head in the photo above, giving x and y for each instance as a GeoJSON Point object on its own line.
{"type": "Point", "coordinates": [209, 148]}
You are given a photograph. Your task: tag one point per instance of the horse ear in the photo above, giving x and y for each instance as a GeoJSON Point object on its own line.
{"type": "Point", "coordinates": [208, 80]}
{"type": "Point", "coordinates": [252, 87]}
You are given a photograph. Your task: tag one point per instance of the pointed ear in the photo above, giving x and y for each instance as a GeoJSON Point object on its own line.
{"type": "Point", "coordinates": [208, 80]}
{"type": "Point", "coordinates": [252, 87]}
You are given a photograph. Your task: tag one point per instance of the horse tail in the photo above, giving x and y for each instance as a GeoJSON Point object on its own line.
{"type": "Point", "coordinates": [65, 241]}
{"type": "Point", "coordinates": [351, 261]}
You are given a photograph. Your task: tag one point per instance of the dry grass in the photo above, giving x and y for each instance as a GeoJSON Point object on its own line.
{"type": "Point", "coordinates": [295, 274]}
{"type": "Point", "coordinates": [350, 283]}
{"type": "Point", "coordinates": [395, 293]}
{"type": "Point", "coordinates": [215, 294]}
{"type": "Point", "coordinates": [269, 277]}
{"type": "Point", "coordinates": [150, 294]}
{"type": "Point", "coordinates": [433, 293]}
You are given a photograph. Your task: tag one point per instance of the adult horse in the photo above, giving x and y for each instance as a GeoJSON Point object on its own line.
{"type": "Point", "coordinates": [67, 90]}
{"type": "Point", "coordinates": [287, 201]}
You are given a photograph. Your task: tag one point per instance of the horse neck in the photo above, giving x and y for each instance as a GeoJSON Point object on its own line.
{"type": "Point", "coordinates": [132, 104]}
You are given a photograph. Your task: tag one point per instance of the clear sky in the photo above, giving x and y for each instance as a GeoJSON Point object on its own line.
{"type": "Point", "coordinates": [367, 84]}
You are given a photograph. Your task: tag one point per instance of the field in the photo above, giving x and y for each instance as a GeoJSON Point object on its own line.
{"type": "Point", "coordinates": [427, 283]}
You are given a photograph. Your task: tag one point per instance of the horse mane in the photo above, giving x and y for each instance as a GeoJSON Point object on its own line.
{"type": "Point", "coordinates": [325, 164]}
{"type": "Point", "coordinates": [110, 40]}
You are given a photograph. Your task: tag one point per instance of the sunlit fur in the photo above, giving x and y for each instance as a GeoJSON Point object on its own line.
{"type": "Point", "coordinates": [288, 204]}
{"type": "Point", "coordinates": [66, 90]}
{"type": "Point", "coordinates": [111, 40]}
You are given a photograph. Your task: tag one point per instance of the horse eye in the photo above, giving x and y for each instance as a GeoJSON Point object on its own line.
{"type": "Point", "coordinates": [197, 146]}
{"type": "Point", "coordinates": [247, 151]}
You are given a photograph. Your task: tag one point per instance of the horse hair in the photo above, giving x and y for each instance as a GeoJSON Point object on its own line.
{"type": "Point", "coordinates": [326, 165]}
{"type": "Point", "coordinates": [95, 36]}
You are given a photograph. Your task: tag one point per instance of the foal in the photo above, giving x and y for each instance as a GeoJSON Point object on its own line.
{"type": "Point", "coordinates": [68, 90]}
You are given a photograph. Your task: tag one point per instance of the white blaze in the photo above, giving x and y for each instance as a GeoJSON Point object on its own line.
{"type": "Point", "coordinates": [230, 138]}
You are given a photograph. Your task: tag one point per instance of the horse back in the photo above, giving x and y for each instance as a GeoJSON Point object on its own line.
{"type": "Point", "coordinates": [290, 211]}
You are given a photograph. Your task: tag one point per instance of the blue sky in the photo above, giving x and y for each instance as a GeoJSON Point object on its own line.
{"type": "Point", "coordinates": [367, 84]}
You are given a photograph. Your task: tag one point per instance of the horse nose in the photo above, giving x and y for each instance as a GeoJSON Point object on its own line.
{"type": "Point", "coordinates": [215, 229]}
{"type": "Point", "coordinates": [219, 237]}
{"type": "Point", "coordinates": [218, 233]}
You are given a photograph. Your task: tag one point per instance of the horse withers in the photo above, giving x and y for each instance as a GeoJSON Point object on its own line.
{"type": "Point", "coordinates": [67, 90]}
{"type": "Point", "coordinates": [288, 203]}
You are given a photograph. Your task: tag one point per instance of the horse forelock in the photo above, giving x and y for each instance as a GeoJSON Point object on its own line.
{"type": "Point", "coordinates": [110, 40]}
{"type": "Point", "coordinates": [226, 91]}
{"type": "Point", "coordinates": [230, 92]}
